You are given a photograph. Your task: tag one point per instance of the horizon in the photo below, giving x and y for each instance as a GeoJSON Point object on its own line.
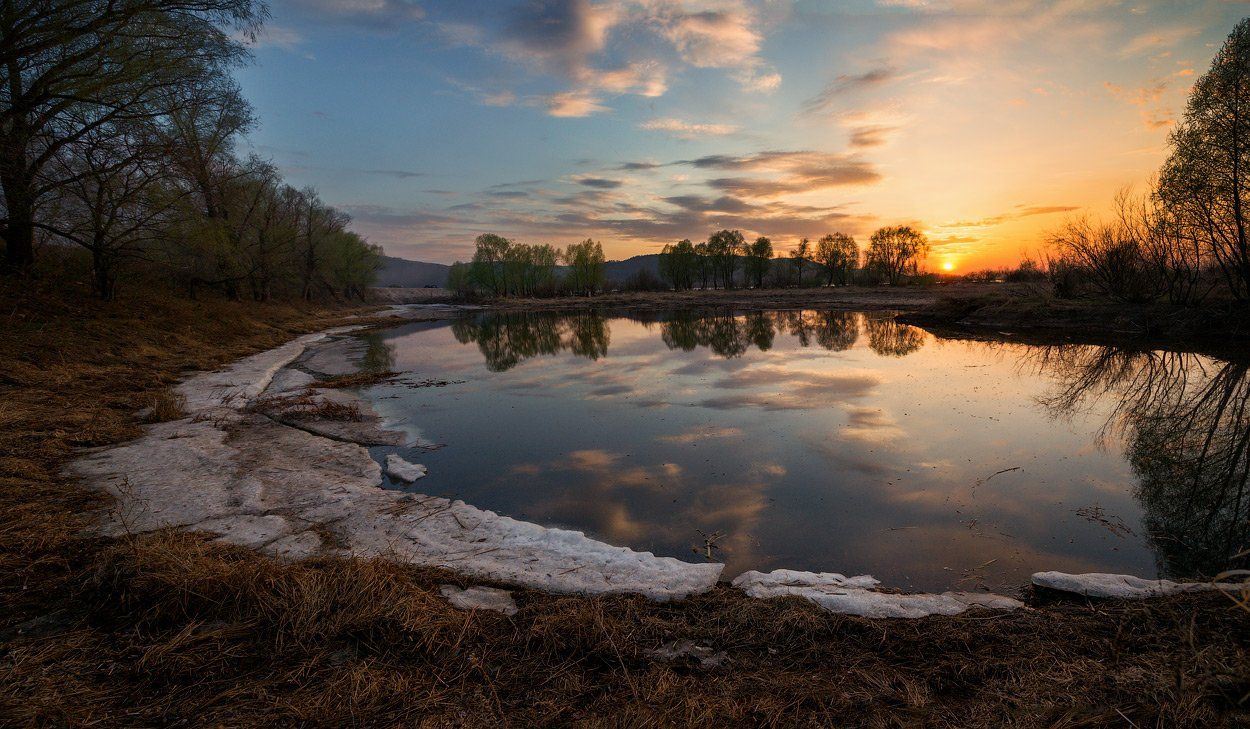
{"type": "Point", "coordinates": [639, 124]}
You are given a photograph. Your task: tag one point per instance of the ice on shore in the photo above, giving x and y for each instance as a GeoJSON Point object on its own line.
{"type": "Point", "coordinates": [1104, 585]}
{"type": "Point", "coordinates": [480, 598]}
{"type": "Point", "coordinates": [858, 596]}
{"type": "Point", "coordinates": [293, 493]}
{"type": "Point", "coordinates": [398, 468]}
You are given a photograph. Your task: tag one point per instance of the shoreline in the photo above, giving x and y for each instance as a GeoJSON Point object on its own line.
{"type": "Point", "coordinates": [311, 488]}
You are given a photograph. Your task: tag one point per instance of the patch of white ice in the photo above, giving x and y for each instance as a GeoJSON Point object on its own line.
{"type": "Point", "coordinates": [293, 493]}
{"type": "Point", "coordinates": [398, 468]}
{"type": "Point", "coordinates": [1101, 584]}
{"type": "Point", "coordinates": [480, 598]}
{"type": "Point", "coordinates": [857, 596]}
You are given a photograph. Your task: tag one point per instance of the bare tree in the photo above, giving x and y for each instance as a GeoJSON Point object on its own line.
{"type": "Point", "coordinates": [839, 254]}
{"type": "Point", "coordinates": [897, 251]}
{"type": "Point", "coordinates": [69, 68]}
{"type": "Point", "coordinates": [1206, 180]}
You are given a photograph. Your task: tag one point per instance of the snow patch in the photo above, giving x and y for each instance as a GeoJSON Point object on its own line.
{"type": "Point", "coordinates": [480, 598]}
{"type": "Point", "coordinates": [398, 468]}
{"type": "Point", "coordinates": [293, 493]}
{"type": "Point", "coordinates": [857, 596]}
{"type": "Point", "coordinates": [1128, 587]}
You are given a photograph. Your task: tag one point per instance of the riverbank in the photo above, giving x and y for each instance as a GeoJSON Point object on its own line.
{"type": "Point", "coordinates": [170, 626]}
{"type": "Point", "coordinates": [1027, 309]}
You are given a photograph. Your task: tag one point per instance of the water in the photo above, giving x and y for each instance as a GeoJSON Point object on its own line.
{"type": "Point", "coordinates": [832, 441]}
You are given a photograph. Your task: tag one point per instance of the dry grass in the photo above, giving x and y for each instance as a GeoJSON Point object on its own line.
{"type": "Point", "coordinates": [306, 406]}
{"type": "Point", "coordinates": [170, 628]}
{"type": "Point", "coordinates": [357, 380]}
{"type": "Point", "coordinates": [166, 405]}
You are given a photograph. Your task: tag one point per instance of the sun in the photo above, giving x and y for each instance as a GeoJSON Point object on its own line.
{"type": "Point", "coordinates": [948, 266]}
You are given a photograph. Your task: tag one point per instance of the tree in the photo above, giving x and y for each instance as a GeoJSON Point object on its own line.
{"type": "Point", "coordinates": [839, 254]}
{"type": "Point", "coordinates": [585, 260]}
{"type": "Point", "coordinates": [69, 68]}
{"type": "Point", "coordinates": [702, 263]}
{"type": "Point", "coordinates": [1206, 180]}
{"type": "Point", "coordinates": [113, 206]}
{"type": "Point", "coordinates": [678, 264]}
{"type": "Point", "coordinates": [800, 254]}
{"type": "Point", "coordinates": [724, 247]}
{"type": "Point", "coordinates": [759, 254]}
{"type": "Point", "coordinates": [897, 251]}
{"type": "Point", "coordinates": [487, 267]}
{"type": "Point", "coordinates": [459, 280]}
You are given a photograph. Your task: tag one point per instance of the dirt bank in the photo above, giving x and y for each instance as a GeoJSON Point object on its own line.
{"type": "Point", "coordinates": [1029, 309]}
{"type": "Point", "coordinates": [903, 298]}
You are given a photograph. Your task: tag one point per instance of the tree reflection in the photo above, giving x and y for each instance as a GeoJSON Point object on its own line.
{"type": "Point", "coordinates": [379, 356]}
{"type": "Point", "coordinates": [1184, 420]}
{"type": "Point", "coordinates": [888, 338]}
{"type": "Point", "coordinates": [506, 339]}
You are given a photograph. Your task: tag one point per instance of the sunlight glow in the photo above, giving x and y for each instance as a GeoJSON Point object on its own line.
{"type": "Point", "coordinates": [948, 266]}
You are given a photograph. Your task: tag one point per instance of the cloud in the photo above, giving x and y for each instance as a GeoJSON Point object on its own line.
{"type": "Point", "coordinates": [572, 104]}
{"type": "Point", "coordinates": [1148, 100]}
{"type": "Point", "coordinates": [1157, 40]}
{"type": "Point", "coordinates": [688, 130]}
{"type": "Point", "coordinates": [384, 15]}
{"type": "Point", "coordinates": [780, 388]}
{"type": "Point", "coordinates": [397, 174]}
{"type": "Point", "coordinates": [866, 137]}
{"type": "Point", "coordinates": [600, 183]}
{"type": "Point", "coordinates": [274, 36]}
{"type": "Point", "coordinates": [1020, 211]}
{"type": "Point", "coordinates": [694, 436]}
{"type": "Point", "coordinates": [721, 34]}
{"type": "Point", "coordinates": [562, 33]}
{"type": "Point", "coordinates": [847, 84]}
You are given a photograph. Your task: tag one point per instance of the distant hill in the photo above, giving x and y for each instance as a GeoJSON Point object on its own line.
{"type": "Point", "coordinates": [404, 273]}
{"type": "Point", "coordinates": [620, 271]}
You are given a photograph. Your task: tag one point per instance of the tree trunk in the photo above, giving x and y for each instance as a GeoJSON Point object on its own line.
{"type": "Point", "coordinates": [19, 231]}
{"type": "Point", "coordinates": [102, 276]}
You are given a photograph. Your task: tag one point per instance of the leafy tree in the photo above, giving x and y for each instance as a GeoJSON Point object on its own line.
{"type": "Point", "coordinates": [724, 247]}
{"type": "Point", "coordinates": [839, 254]}
{"type": "Point", "coordinates": [678, 264]}
{"type": "Point", "coordinates": [897, 251]}
{"type": "Point", "coordinates": [460, 279]}
{"type": "Point", "coordinates": [800, 253]}
{"type": "Point", "coordinates": [702, 263]}
{"type": "Point", "coordinates": [585, 261]}
{"type": "Point", "coordinates": [489, 253]}
{"type": "Point", "coordinates": [759, 254]}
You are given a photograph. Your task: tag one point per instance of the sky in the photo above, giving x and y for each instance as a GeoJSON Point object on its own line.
{"type": "Point", "coordinates": [983, 123]}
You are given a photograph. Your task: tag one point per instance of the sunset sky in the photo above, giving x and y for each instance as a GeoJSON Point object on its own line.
{"type": "Point", "coordinates": [639, 123]}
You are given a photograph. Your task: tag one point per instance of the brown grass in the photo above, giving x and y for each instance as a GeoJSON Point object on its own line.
{"type": "Point", "coordinates": [171, 628]}
{"type": "Point", "coordinates": [166, 405]}
{"type": "Point", "coordinates": [358, 379]}
{"type": "Point", "coordinates": [306, 406]}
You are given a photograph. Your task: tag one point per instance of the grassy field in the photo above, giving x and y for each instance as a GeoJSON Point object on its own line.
{"type": "Point", "coordinates": [172, 628]}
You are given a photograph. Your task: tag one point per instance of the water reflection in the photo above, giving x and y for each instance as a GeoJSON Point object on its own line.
{"type": "Point", "coordinates": [507, 339]}
{"type": "Point", "coordinates": [1186, 431]}
{"type": "Point", "coordinates": [379, 355]}
{"type": "Point", "coordinates": [836, 440]}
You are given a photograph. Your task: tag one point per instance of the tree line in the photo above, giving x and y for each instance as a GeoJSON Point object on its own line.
{"type": "Point", "coordinates": [118, 129]}
{"type": "Point", "coordinates": [1186, 240]}
{"type": "Point", "coordinates": [503, 267]}
{"type": "Point", "coordinates": [893, 254]}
